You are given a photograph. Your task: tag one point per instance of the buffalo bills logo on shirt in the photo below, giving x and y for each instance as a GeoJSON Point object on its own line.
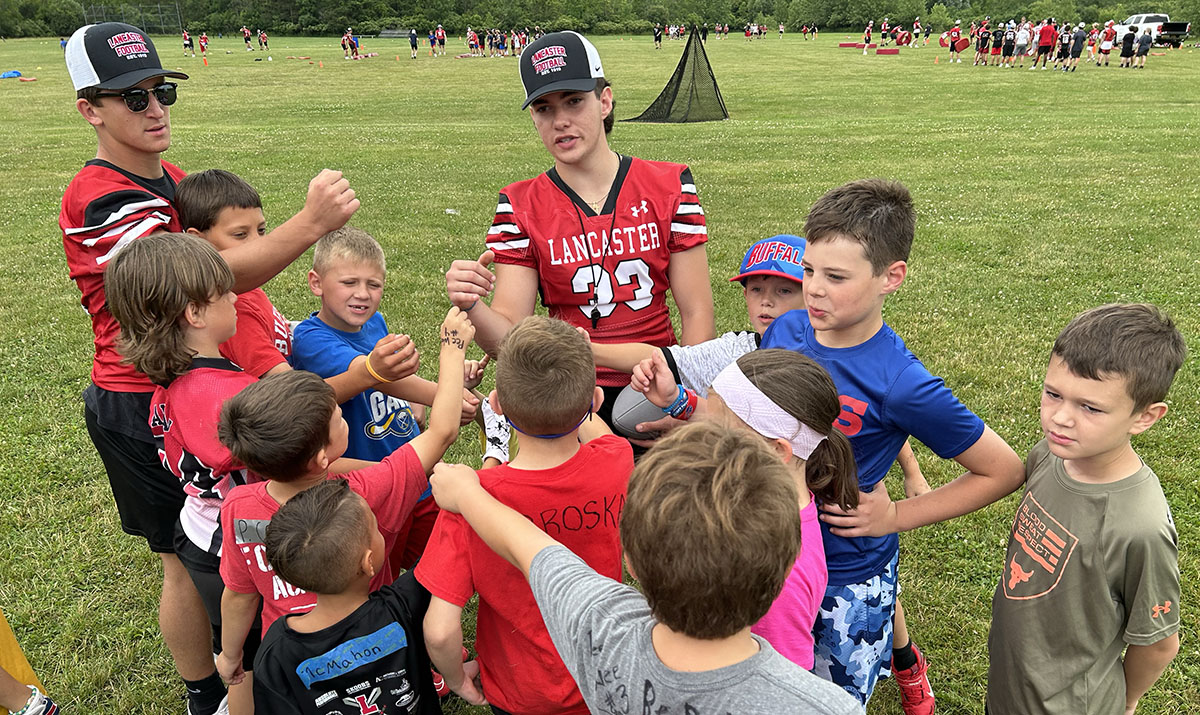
{"type": "Point", "coordinates": [549, 59]}
{"type": "Point", "coordinates": [128, 44]}
{"type": "Point", "coordinates": [390, 416]}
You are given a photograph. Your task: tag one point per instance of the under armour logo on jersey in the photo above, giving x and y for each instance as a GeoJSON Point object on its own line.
{"type": "Point", "coordinates": [638, 210]}
{"type": "Point", "coordinates": [1162, 610]}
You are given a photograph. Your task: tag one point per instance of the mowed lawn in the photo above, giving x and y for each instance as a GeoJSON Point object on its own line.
{"type": "Point", "coordinates": [1038, 195]}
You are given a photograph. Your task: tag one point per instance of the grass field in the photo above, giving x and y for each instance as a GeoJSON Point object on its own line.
{"type": "Point", "coordinates": [1038, 196]}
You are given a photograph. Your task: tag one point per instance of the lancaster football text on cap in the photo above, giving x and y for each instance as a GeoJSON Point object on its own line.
{"type": "Point", "coordinates": [113, 55]}
{"type": "Point", "coordinates": [559, 62]}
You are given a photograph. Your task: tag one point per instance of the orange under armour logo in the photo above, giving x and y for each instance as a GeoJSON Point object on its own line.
{"type": "Point", "coordinates": [1160, 610]}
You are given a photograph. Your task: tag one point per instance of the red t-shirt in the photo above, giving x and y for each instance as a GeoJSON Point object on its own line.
{"type": "Point", "coordinates": [578, 503]}
{"type": "Point", "coordinates": [955, 34]}
{"type": "Point", "coordinates": [1109, 34]}
{"type": "Point", "coordinates": [618, 258]}
{"type": "Point", "coordinates": [103, 210]}
{"type": "Point", "coordinates": [183, 419]}
{"type": "Point", "coordinates": [391, 488]}
{"type": "Point", "coordinates": [1047, 36]}
{"type": "Point", "coordinates": [263, 338]}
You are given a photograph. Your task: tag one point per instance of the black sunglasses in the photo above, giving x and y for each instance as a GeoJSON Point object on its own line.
{"type": "Point", "coordinates": [138, 99]}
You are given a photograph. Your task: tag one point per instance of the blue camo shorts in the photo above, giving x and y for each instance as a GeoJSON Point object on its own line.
{"type": "Point", "coordinates": [853, 633]}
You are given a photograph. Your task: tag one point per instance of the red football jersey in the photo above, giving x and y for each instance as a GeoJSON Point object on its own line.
{"type": "Point", "coordinates": [103, 210]}
{"type": "Point", "coordinates": [183, 419]}
{"type": "Point", "coordinates": [578, 503]}
{"type": "Point", "coordinates": [955, 34]}
{"type": "Point", "coordinates": [610, 266]}
{"type": "Point", "coordinates": [391, 488]}
{"type": "Point", "coordinates": [263, 338]}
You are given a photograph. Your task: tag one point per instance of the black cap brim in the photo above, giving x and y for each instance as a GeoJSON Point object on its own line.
{"type": "Point", "coordinates": [586, 84]}
{"type": "Point", "coordinates": [130, 79]}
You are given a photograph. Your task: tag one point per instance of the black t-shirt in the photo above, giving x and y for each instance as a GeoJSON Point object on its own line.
{"type": "Point", "coordinates": [983, 37]}
{"type": "Point", "coordinates": [373, 660]}
{"type": "Point", "coordinates": [658, 33]}
{"type": "Point", "coordinates": [1078, 39]}
{"type": "Point", "coordinates": [1010, 37]}
{"type": "Point", "coordinates": [997, 38]}
{"type": "Point", "coordinates": [1127, 42]}
{"type": "Point", "coordinates": [1064, 38]}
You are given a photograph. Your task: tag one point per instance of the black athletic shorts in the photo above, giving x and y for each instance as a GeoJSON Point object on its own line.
{"type": "Point", "coordinates": [1008, 51]}
{"type": "Point", "coordinates": [441, 42]}
{"type": "Point", "coordinates": [1143, 51]}
{"type": "Point", "coordinates": [148, 496]}
{"type": "Point", "coordinates": [1076, 52]}
{"type": "Point", "coordinates": [205, 570]}
{"type": "Point", "coordinates": [1044, 50]}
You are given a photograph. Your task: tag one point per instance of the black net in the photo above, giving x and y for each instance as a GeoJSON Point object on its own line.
{"type": "Point", "coordinates": [691, 95]}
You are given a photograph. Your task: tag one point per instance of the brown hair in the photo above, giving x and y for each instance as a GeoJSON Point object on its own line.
{"type": "Point", "coordinates": [149, 285]}
{"type": "Point", "coordinates": [347, 243]}
{"type": "Point", "coordinates": [1136, 341]}
{"type": "Point", "coordinates": [200, 197]}
{"type": "Point", "coordinates": [545, 376]}
{"type": "Point", "coordinates": [803, 389]}
{"type": "Point", "coordinates": [317, 539]}
{"type": "Point", "coordinates": [612, 113]}
{"type": "Point", "coordinates": [277, 425]}
{"type": "Point", "coordinates": [91, 94]}
{"type": "Point", "coordinates": [876, 213]}
{"type": "Point", "coordinates": [710, 526]}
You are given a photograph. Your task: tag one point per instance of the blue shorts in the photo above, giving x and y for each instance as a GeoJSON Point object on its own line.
{"type": "Point", "coordinates": [853, 633]}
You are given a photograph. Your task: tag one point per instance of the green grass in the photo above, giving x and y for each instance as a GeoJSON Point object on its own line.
{"type": "Point", "coordinates": [1038, 196]}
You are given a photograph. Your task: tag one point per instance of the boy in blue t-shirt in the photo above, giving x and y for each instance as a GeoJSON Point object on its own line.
{"type": "Point", "coordinates": [859, 237]}
{"type": "Point", "coordinates": [348, 274]}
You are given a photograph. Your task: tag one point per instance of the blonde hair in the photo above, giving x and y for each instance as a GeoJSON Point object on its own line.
{"type": "Point", "coordinates": [348, 244]}
{"type": "Point", "coordinates": [149, 285]}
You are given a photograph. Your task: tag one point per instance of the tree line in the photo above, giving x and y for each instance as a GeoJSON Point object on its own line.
{"type": "Point", "coordinates": [39, 18]}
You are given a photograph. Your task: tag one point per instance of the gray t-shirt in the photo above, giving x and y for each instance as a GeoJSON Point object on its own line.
{"type": "Point", "coordinates": [601, 629]}
{"type": "Point", "coordinates": [695, 366]}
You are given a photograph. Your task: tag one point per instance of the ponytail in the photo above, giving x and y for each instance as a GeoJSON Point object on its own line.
{"type": "Point", "coordinates": [831, 473]}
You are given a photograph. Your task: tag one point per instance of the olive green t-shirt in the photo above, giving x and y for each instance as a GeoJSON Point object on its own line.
{"type": "Point", "coordinates": [1089, 568]}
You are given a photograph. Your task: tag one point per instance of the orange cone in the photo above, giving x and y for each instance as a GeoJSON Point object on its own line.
{"type": "Point", "coordinates": [320, 63]}
{"type": "Point", "coordinates": [205, 61]}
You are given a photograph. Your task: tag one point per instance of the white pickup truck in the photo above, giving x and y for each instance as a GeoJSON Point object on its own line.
{"type": "Point", "coordinates": [1162, 29]}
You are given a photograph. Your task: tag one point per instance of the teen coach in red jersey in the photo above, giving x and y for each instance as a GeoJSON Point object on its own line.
{"type": "Point", "coordinates": [600, 237]}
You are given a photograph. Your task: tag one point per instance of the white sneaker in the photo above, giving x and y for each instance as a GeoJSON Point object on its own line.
{"type": "Point", "coordinates": [222, 709]}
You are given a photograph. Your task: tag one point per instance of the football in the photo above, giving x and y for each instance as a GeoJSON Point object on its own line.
{"type": "Point", "coordinates": [630, 409]}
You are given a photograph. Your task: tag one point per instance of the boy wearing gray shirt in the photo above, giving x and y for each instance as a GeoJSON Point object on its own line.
{"type": "Point", "coordinates": [710, 527]}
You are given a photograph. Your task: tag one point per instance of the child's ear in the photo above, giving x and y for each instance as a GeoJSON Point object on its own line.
{"type": "Point", "coordinates": [894, 275]}
{"type": "Point", "coordinates": [494, 401]}
{"type": "Point", "coordinates": [314, 283]}
{"type": "Point", "coordinates": [194, 232]}
{"type": "Point", "coordinates": [368, 563]}
{"type": "Point", "coordinates": [319, 462]}
{"type": "Point", "coordinates": [782, 449]}
{"type": "Point", "coordinates": [629, 567]}
{"type": "Point", "coordinates": [597, 399]}
{"type": "Point", "coordinates": [193, 315]}
{"type": "Point", "coordinates": [1148, 416]}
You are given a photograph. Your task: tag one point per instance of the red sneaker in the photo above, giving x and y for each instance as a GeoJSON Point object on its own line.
{"type": "Point", "coordinates": [916, 695]}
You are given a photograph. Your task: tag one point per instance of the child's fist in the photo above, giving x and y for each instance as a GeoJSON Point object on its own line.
{"type": "Point", "coordinates": [457, 331]}
{"type": "Point", "coordinates": [467, 281]}
{"type": "Point", "coordinates": [473, 372]}
{"type": "Point", "coordinates": [394, 357]}
{"type": "Point", "coordinates": [451, 483]}
{"type": "Point", "coordinates": [653, 377]}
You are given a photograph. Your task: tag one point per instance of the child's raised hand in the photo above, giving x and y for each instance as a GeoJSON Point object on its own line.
{"type": "Point", "coordinates": [457, 331]}
{"type": "Point", "coordinates": [653, 378]}
{"type": "Point", "coordinates": [473, 372]}
{"type": "Point", "coordinates": [450, 483]}
{"type": "Point", "coordinates": [330, 202]}
{"type": "Point", "coordinates": [394, 357]}
{"type": "Point", "coordinates": [875, 515]}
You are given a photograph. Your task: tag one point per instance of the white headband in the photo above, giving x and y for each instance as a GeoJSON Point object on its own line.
{"type": "Point", "coordinates": [764, 416]}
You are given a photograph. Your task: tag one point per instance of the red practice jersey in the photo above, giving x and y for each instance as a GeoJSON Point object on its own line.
{"type": "Point", "coordinates": [955, 35]}
{"type": "Point", "coordinates": [610, 266]}
{"type": "Point", "coordinates": [103, 210]}
{"type": "Point", "coordinates": [183, 420]}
